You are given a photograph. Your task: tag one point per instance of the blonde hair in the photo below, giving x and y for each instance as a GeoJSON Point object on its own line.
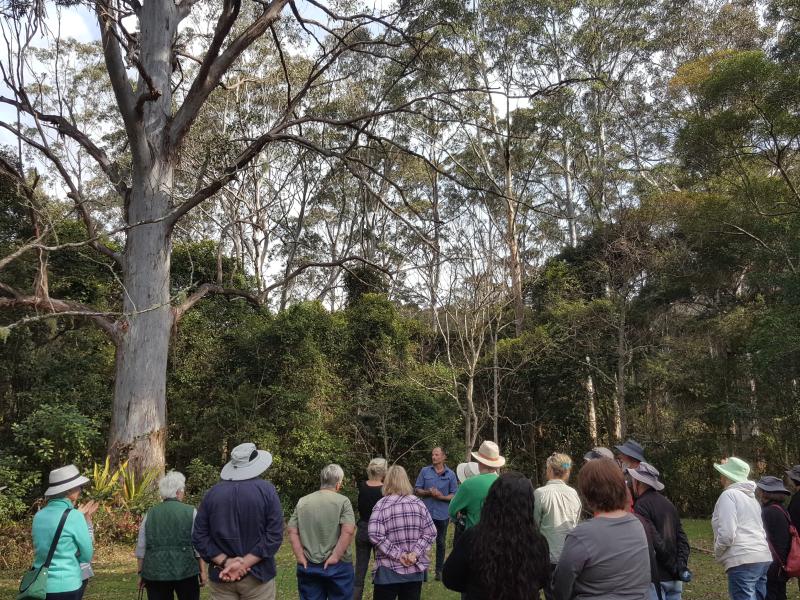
{"type": "Point", "coordinates": [396, 482]}
{"type": "Point", "coordinates": [376, 469]}
{"type": "Point", "coordinates": [559, 464]}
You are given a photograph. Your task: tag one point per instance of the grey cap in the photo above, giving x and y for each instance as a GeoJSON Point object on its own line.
{"type": "Point", "coordinates": [768, 483]}
{"type": "Point", "coordinates": [647, 474]}
{"type": "Point", "coordinates": [598, 452]}
{"type": "Point", "coordinates": [794, 473]}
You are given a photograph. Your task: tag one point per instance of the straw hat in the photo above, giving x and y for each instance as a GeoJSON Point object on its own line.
{"type": "Point", "coordinates": [489, 455]}
{"type": "Point", "coordinates": [246, 462]}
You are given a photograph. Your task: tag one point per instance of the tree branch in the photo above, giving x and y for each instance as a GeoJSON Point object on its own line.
{"type": "Point", "coordinates": [215, 65]}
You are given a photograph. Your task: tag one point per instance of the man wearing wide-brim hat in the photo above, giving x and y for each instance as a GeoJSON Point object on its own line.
{"type": "Point", "coordinates": [740, 542]}
{"type": "Point", "coordinates": [658, 510]}
{"type": "Point", "coordinates": [472, 493]}
{"type": "Point", "coordinates": [239, 528]}
{"type": "Point", "coordinates": [772, 493]}
{"type": "Point", "coordinates": [794, 504]}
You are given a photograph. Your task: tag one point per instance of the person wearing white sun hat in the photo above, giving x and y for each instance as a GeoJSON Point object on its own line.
{"type": "Point", "coordinates": [740, 542]}
{"type": "Point", "coordinates": [74, 543]}
{"type": "Point", "coordinates": [470, 496]}
{"type": "Point", "coordinates": [239, 528]}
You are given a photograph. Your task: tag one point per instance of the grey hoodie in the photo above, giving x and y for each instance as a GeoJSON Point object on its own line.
{"type": "Point", "coordinates": [739, 536]}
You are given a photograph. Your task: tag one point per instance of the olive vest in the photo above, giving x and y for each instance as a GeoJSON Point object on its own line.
{"type": "Point", "coordinates": [169, 555]}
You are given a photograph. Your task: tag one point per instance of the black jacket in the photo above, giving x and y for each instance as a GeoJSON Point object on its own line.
{"type": "Point", "coordinates": [672, 549]}
{"type": "Point", "coordinates": [794, 510]}
{"type": "Point", "coordinates": [776, 524]}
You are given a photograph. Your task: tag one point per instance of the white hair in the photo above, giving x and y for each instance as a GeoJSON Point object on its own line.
{"type": "Point", "coordinates": [172, 483]}
{"type": "Point", "coordinates": [331, 476]}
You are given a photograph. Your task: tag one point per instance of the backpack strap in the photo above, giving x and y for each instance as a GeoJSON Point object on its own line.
{"type": "Point", "coordinates": [53, 545]}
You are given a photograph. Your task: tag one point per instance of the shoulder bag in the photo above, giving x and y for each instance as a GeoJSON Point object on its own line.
{"type": "Point", "coordinates": [34, 583]}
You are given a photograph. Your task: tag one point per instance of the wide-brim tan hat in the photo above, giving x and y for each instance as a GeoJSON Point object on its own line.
{"type": "Point", "coordinates": [246, 462]}
{"type": "Point", "coordinates": [64, 479]}
{"type": "Point", "coordinates": [489, 455]}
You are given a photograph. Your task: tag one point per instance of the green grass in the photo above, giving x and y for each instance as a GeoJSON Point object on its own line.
{"type": "Point", "coordinates": [115, 568]}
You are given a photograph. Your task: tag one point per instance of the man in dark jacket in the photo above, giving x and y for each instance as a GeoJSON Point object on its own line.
{"type": "Point", "coordinates": [672, 551]}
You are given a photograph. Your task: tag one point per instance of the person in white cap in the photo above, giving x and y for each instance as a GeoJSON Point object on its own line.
{"type": "Point", "coordinates": [740, 542]}
{"type": "Point", "coordinates": [74, 543]}
{"type": "Point", "coordinates": [239, 528]}
{"type": "Point", "coordinates": [463, 471]}
{"type": "Point", "coordinates": [672, 555]}
{"type": "Point", "coordinates": [470, 496]}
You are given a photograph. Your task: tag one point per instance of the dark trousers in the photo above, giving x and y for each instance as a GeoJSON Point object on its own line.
{"type": "Point", "coordinates": [74, 595]}
{"type": "Point", "coordinates": [776, 585]}
{"type": "Point", "coordinates": [441, 542]}
{"type": "Point", "coordinates": [363, 554]}
{"type": "Point", "coordinates": [82, 591]}
{"type": "Point", "coordinates": [398, 591]}
{"type": "Point", "coordinates": [185, 589]}
{"type": "Point", "coordinates": [547, 588]}
{"type": "Point", "coordinates": [317, 583]}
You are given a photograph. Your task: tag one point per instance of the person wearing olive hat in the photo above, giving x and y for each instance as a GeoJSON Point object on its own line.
{"type": "Point", "coordinates": [772, 494]}
{"type": "Point", "coordinates": [794, 503]}
{"type": "Point", "coordinates": [740, 542]}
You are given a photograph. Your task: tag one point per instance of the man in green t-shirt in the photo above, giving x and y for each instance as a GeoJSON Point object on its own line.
{"type": "Point", "coordinates": [320, 531]}
{"type": "Point", "coordinates": [470, 495]}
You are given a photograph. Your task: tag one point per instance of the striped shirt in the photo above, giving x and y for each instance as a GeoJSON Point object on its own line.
{"type": "Point", "coordinates": [401, 524]}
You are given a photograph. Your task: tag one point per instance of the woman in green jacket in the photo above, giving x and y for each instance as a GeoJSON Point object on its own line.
{"type": "Point", "coordinates": [74, 544]}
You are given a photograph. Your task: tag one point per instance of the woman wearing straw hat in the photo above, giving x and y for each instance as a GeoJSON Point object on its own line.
{"type": "Point", "coordinates": [740, 542]}
{"type": "Point", "coordinates": [74, 544]}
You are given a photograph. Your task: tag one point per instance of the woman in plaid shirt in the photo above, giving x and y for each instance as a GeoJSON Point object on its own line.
{"type": "Point", "coordinates": [402, 531]}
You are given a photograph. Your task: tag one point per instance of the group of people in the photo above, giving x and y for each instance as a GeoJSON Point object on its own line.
{"type": "Point", "coordinates": [617, 537]}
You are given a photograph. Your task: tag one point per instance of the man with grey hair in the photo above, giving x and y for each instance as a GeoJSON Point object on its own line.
{"type": "Point", "coordinates": [320, 530]}
{"type": "Point", "coordinates": [167, 563]}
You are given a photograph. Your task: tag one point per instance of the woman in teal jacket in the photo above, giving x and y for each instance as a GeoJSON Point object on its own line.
{"type": "Point", "coordinates": [75, 543]}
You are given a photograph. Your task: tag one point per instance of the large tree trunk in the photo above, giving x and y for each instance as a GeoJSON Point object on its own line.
{"type": "Point", "coordinates": [620, 425]}
{"type": "Point", "coordinates": [139, 414]}
{"type": "Point", "coordinates": [591, 408]}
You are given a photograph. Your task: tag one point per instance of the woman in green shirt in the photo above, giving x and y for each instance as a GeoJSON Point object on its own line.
{"type": "Point", "coordinates": [75, 542]}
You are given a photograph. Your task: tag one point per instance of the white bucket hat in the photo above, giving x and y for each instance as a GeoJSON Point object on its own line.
{"type": "Point", "coordinates": [466, 470]}
{"type": "Point", "coordinates": [246, 462]}
{"type": "Point", "coordinates": [64, 479]}
{"type": "Point", "coordinates": [489, 454]}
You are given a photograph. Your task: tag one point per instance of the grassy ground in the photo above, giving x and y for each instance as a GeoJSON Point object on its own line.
{"type": "Point", "coordinates": [116, 568]}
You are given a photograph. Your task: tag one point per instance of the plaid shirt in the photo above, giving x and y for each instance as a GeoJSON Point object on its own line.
{"type": "Point", "coordinates": [401, 524]}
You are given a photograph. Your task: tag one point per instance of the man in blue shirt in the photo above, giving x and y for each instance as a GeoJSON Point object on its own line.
{"type": "Point", "coordinates": [436, 485]}
{"type": "Point", "coordinates": [239, 528]}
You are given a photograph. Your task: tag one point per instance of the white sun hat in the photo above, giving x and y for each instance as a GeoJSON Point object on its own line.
{"type": "Point", "coordinates": [64, 479]}
{"type": "Point", "coordinates": [246, 462]}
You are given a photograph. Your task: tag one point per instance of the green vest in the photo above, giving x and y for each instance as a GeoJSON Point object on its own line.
{"type": "Point", "coordinates": [168, 554]}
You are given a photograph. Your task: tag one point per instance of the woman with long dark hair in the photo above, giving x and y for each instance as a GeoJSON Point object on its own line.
{"type": "Point", "coordinates": [504, 557]}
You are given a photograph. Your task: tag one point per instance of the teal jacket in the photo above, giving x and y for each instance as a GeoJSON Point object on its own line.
{"type": "Point", "coordinates": [74, 545]}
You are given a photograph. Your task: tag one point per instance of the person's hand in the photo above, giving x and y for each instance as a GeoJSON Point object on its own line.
{"type": "Point", "coordinates": [404, 559]}
{"type": "Point", "coordinates": [435, 492]}
{"type": "Point", "coordinates": [141, 584]}
{"type": "Point", "coordinates": [234, 569]}
{"type": "Point", "coordinates": [412, 557]}
{"type": "Point", "coordinates": [203, 579]}
{"type": "Point", "coordinates": [302, 561]}
{"type": "Point", "coordinates": [89, 508]}
{"type": "Point", "coordinates": [332, 560]}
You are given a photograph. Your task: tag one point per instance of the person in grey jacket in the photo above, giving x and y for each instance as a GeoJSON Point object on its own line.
{"type": "Point", "coordinates": [608, 556]}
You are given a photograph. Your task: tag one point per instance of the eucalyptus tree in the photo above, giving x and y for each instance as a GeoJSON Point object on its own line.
{"type": "Point", "coordinates": [174, 77]}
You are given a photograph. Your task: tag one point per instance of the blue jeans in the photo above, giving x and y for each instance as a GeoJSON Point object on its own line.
{"type": "Point", "coordinates": [748, 582]}
{"type": "Point", "coordinates": [670, 590]}
{"type": "Point", "coordinates": [334, 583]}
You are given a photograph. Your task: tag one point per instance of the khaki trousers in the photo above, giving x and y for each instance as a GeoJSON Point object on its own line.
{"type": "Point", "coordinates": [248, 588]}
